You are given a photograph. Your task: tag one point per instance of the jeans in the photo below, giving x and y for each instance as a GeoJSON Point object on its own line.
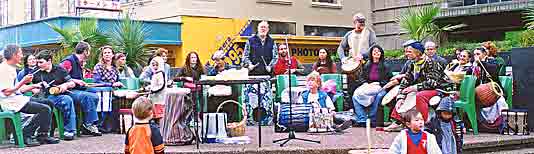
{"type": "Point", "coordinates": [66, 105]}
{"type": "Point", "coordinates": [361, 116]}
{"type": "Point", "coordinates": [88, 102]}
{"type": "Point", "coordinates": [41, 119]}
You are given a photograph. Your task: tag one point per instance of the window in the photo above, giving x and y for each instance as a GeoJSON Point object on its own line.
{"type": "Point", "coordinates": [4, 12]}
{"type": "Point", "coordinates": [336, 4]}
{"type": "Point", "coordinates": [44, 9]}
{"type": "Point", "coordinates": [325, 31]}
{"type": "Point", "coordinates": [276, 27]}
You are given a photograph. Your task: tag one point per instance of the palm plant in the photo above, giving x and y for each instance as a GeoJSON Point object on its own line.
{"type": "Point", "coordinates": [85, 30]}
{"type": "Point", "coordinates": [419, 23]}
{"type": "Point", "coordinates": [529, 18]}
{"type": "Point", "coordinates": [128, 36]}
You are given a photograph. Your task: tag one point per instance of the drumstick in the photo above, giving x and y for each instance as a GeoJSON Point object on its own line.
{"type": "Point", "coordinates": [263, 59]}
{"type": "Point", "coordinates": [36, 71]}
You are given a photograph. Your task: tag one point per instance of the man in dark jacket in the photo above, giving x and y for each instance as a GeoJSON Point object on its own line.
{"type": "Point", "coordinates": [260, 52]}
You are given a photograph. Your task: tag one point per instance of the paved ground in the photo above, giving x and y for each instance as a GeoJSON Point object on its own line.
{"type": "Point", "coordinates": [354, 139]}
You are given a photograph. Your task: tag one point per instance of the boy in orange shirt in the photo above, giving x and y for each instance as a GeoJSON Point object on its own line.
{"type": "Point", "coordinates": [143, 137]}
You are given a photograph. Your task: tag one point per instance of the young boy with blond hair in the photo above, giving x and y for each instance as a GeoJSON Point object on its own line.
{"type": "Point", "coordinates": [144, 137]}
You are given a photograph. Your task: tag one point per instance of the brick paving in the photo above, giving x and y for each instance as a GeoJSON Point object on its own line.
{"type": "Point", "coordinates": [354, 138]}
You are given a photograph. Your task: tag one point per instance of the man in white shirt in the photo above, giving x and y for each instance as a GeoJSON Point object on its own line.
{"type": "Point", "coordinates": [11, 99]}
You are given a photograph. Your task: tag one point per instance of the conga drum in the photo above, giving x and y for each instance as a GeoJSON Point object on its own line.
{"type": "Point", "coordinates": [174, 128]}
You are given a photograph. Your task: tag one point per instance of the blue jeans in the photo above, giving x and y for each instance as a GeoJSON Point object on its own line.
{"type": "Point", "coordinates": [66, 105]}
{"type": "Point", "coordinates": [361, 115]}
{"type": "Point", "coordinates": [88, 102]}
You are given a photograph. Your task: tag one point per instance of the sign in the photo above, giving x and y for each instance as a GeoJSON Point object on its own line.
{"type": "Point", "coordinates": [99, 4]}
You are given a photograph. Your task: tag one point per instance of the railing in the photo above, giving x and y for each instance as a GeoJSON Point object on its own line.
{"type": "Point", "coordinates": [451, 8]}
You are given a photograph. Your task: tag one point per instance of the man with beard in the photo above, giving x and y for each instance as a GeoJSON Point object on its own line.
{"type": "Point", "coordinates": [260, 53]}
{"type": "Point", "coordinates": [281, 65]}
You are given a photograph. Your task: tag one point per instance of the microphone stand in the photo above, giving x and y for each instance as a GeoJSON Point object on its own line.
{"type": "Point", "coordinates": [291, 133]}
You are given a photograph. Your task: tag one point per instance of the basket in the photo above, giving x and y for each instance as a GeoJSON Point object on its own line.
{"type": "Point", "coordinates": [235, 128]}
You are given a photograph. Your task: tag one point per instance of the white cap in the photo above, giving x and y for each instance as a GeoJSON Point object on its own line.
{"type": "Point", "coordinates": [430, 44]}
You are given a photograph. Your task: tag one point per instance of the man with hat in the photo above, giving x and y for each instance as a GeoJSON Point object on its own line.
{"type": "Point", "coordinates": [423, 76]}
{"type": "Point", "coordinates": [358, 40]}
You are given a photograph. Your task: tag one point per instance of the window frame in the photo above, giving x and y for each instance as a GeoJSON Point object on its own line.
{"type": "Point", "coordinates": [281, 2]}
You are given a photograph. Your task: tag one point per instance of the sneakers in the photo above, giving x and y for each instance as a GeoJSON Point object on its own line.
{"type": "Point", "coordinates": [69, 136]}
{"type": "Point", "coordinates": [88, 129]}
{"type": "Point", "coordinates": [394, 127]}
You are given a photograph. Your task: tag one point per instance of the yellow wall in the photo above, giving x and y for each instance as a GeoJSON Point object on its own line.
{"type": "Point", "coordinates": [205, 35]}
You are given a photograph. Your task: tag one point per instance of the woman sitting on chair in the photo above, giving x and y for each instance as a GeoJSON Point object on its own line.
{"type": "Point", "coordinates": [105, 72]}
{"type": "Point", "coordinates": [324, 64]}
{"type": "Point", "coordinates": [463, 64]}
{"type": "Point", "coordinates": [120, 63]}
{"type": "Point", "coordinates": [374, 80]}
{"type": "Point", "coordinates": [320, 99]}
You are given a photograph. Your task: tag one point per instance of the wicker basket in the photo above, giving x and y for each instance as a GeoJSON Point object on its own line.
{"type": "Point", "coordinates": [235, 128]}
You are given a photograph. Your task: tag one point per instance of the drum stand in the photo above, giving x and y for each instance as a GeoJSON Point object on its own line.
{"type": "Point", "coordinates": [291, 133]}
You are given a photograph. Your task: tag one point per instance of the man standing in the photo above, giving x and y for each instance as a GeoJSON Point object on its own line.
{"type": "Point", "coordinates": [12, 99]}
{"type": "Point", "coordinates": [358, 40]}
{"type": "Point", "coordinates": [57, 77]}
{"type": "Point", "coordinates": [431, 49]}
{"type": "Point", "coordinates": [281, 65]}
{"type": "Point", "coordinates": [260, 52]}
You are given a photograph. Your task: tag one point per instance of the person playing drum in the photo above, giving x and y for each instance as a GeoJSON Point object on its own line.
{"type": "Point", "coordinates": [375, 83]}
{"type": "Point", "coordinates": [422, 78]}
{"type": "Point", "coordinates": [357, 43]}
{"type": "Point", "coordinates": [486, 70]}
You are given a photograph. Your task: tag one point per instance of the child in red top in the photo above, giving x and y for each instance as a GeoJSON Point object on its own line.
{"type": "Point", "coordinates": [414, 140]}
{"type": "Point", "coordinates": [143, 137]}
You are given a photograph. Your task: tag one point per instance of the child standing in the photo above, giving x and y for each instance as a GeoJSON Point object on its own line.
{"type": "Point", "coordinates": [443, 126]}
{"type": "Point", "coordinates": [143, 137]}
{"type": "Point", "coordinates": [414, 140]}
{"type": "Point", "coordinates": [157, 87]}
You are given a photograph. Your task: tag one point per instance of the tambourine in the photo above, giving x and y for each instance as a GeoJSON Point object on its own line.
{"type": "Point", "coordinates": [54, 90]}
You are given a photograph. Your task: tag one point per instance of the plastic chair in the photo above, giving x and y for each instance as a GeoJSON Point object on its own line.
{"type": "Point", "coordinates": [507, 84]}
{"type": "Point", "coordinates": [59, 123]}
{"type": "Point", "coordinates": [339, 87]}
{"type": "Point", "coordinates": [281, 84]}
{"type": "Point", "coordinates": [16, 121]}
{"type": "Point", "coordinates": [467, 101]}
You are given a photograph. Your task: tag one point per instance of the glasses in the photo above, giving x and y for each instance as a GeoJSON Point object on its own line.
{"type": "Point", "coordinates": [41, 62]}
{"type": "Point", "coordinates": [478, 54]}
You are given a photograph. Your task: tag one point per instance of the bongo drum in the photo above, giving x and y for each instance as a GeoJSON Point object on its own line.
{"type": "Point", "coordinates": [516, 122]}
{"type": "Point", "coordinates": [408, 103]}
{"type": "Point", "coordinates": [392, 94]}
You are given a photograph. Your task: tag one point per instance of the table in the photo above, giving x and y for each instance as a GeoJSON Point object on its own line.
{"type": "Point", "coordinates": [174, 129]}
{"type": "Point", "coordinates": [201, 83]}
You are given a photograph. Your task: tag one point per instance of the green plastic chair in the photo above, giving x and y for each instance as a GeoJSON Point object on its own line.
{"type": "Point", "coordinates": [386, 109]}
{"type": "Point", "coordinates": [339, 87]}
{"type": "Point", "coordinates": [467, 101]}
{"type": "Point", "coordinates": [281, 84]}
{"type": "Point", "coordinates": [59, 122]}
{"type": "Point", "coordinates": [507, 84]}
{"type": "Point", "coordinates": [17, 123]}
